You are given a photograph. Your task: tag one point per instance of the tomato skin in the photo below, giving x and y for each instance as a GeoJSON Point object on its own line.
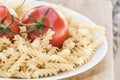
{"type": "Point", "coordinates": [53, 19]}
{"type": "Point", "coordinates": [4, 12]}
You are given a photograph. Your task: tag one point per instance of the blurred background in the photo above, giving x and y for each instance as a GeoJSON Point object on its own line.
{"type": "Point", "coordinates": [116, 38]}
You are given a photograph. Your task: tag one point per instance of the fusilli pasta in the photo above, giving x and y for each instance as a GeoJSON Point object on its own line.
{"type": "Point", "coordinates": [25, 59]}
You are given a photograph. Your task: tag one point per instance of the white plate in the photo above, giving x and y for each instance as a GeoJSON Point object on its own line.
{"type": "Point", "coordinates": [97, 57]}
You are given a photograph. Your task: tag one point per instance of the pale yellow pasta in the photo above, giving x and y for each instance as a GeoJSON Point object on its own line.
{"type": "Point", "coordinates": [24, 35]}
{"type": "Point", "coordinates": [4, 43]}
{"type": "Point", "coordinates": [3, 59]}
{"type": "Point", "coordinates": [16, 65]}
{"type": "Point", "coordinates": [60, 66]}
{"type": "Point", "coordinates": [9, 62]}
{"type": "Point", "coordinates": [64, 53]}
{"type": "Point", "coordinates": [8, 52]}
{"type": "Point", "coordinates": [57, 59]}
{"type": "Point", "coordinates": [22, 74]}
{"type": "Point", "coordinates": [69, 43]}
{"type": "Point", "coordinates": [44, 44]}
{"type": "Point", "coordinates": [74, 60]}
{"type": "Point", "coordinates": [97, 43]}
{"type": "Point", "coordinates": [5, 74]}
{"type": "Point", "coordinates": [44, 72]}
{"type": "Point", "coordinates": [32, 67]}
{"type": "Point", "coordinates": [53, 50]}
{"type": "Point", "coordinates": [26, 59]}
{"type": "Point", "coordinates": [93, 28]}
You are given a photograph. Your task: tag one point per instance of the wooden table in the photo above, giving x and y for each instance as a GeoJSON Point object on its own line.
{"type": "Point", "coordinates": [100, 11]}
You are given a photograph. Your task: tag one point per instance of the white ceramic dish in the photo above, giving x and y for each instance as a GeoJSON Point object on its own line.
{"type": "Point", "coordinates": [98, 55]}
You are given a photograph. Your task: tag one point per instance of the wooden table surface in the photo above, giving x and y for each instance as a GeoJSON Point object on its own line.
{"type": "Point", "coordinates": [99, 11]}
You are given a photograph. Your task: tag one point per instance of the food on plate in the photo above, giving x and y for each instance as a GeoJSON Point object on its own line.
{"type": "Point", "coordinates": [8, 27]}
{"type": "Point", "coordinates": [40, 58]}
{"type": "Point", "coordinates": [44, 18]}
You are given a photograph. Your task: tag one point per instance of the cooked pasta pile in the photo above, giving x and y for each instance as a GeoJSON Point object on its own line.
{"type": "Point", "coordinates": [40, 59]}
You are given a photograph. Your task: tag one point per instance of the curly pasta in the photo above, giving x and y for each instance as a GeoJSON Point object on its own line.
{"type": "Point", "coordinates": [44, 72]}
{"type": "Point", "coordinates": [60, 66]}
{"type": "Point", "coordinates": [22, 74]}
{"type": "Point", "coordinates": [57, 59]}
{"type": "Point", "coordinates": [25, 59]}
{"type": "Point", "coordinates": [5, 74]}
{"type": "Point", "coordinates": [16, 65]}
